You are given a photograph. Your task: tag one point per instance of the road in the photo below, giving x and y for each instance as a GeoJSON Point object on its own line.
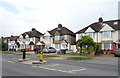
{"type": "Point", "coordinates": [54, 67]}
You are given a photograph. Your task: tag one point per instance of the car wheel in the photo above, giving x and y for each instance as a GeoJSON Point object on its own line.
{"type": "Point", "coordinates": [115, 55]}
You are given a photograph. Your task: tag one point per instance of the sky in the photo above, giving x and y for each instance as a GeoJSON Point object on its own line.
{"type": "Point", "coordinates": [19, 16]}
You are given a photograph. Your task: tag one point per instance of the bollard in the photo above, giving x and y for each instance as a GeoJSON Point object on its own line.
{"type": "Point", "coordinates": [24, 53]}
{"type": "Point", "coordinates": [41, 56]}
{"type": "Point", "coordinates": [41, 61]}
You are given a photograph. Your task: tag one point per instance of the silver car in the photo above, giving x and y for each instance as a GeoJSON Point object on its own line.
{"type": "Point", "coordinates": [49, 50]}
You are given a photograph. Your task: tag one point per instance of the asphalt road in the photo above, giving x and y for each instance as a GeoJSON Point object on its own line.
{"type": "Point", "coordinates": [54, 67]}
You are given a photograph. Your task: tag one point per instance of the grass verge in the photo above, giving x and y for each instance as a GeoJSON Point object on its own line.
{"type": "Point", "coordinates": [7, 52]}
{"type": "Point", "coordinates": [46, 56]}
{"type": "Point", "coordinates": [74, 53]}
{"type": "Point", "coordinates": [22, 54]}
{"type": "Point", "coordinates": [79, 58]}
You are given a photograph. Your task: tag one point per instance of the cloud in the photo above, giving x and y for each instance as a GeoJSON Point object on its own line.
{"type": "Point", "coordinates": [18, 16]}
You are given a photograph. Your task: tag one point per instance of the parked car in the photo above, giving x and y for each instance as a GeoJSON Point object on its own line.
{"type": "Point", "coordinates": [117, 54]}
{"type": "Point", "coordinates": [49, 50]}
{"type": "Point", "coordinates": [118, 50]}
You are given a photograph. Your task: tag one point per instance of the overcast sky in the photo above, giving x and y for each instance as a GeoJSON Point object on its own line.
{"type": "Point", "coordinates": [18, 16]}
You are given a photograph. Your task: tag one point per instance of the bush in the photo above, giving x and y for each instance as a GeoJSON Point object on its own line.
{"type": "Point", "coordinates": [97, 50]}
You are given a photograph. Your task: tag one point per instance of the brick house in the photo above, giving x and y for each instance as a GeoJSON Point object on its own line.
{"type": "Point", "coordinates": [105, 33]}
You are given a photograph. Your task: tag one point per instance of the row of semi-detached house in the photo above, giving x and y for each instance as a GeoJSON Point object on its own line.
{"type": "Point", "coordinates": [105, 33]}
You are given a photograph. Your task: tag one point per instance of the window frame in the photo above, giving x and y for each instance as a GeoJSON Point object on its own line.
{"type": "Point", "coordinates": [57, 37]}
{"type": "Point", "coordinates": [107, 34]}
{"type": "Point", "coordinates": [109, 46]}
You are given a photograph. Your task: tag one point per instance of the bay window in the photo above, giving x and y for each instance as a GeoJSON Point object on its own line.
{"type": "Point", "coordinates": [57, 46]}
{"type": "Point", "coordinates": [65, 37]}
{"type": "Point", "coordinates": [92, 35]}
{"type": "Point", "coordinates": [27, 46]}
{"type": "Point", "coordinates": [106, 34]}
{"type": "Point", "coordinates": [106, 46]}
{"type": "Point", "coordinates": [57, 37]}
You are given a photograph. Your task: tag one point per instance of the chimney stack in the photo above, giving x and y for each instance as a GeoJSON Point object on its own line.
{"type": "Point", "coordinates": [33, 29]}
{"type": "Point", "coordinates": [59, 25]}
{"type": "Point", "coordinates": [100, 20]}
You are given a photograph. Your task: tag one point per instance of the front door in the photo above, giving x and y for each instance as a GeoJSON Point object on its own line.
{"type": "Point", "coordinates": [32, 47]}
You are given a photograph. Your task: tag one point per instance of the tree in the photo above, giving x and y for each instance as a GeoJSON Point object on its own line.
{"type": "Point", "coordinates": [87, 44]}
{"type": "Point", "coordinates": [3, 45]}
{"type": "Point", "coordinates": [86, 41]}
{"type": "Point", "coordinates": [0, 44]}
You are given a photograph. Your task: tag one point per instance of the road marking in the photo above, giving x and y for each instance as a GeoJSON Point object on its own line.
{"type": "Point", "coordinates": [56, 70]}
{"type": "Point", "coordinates": [55, 64]}
{"type": "Point", "coordinates": [78, 70]}
{"type": "Point", "coordinates": [10, 61]}
{"type": "Point", "coordinates": [34, 66]}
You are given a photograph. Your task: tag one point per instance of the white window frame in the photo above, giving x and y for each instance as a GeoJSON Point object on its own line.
{"type": "Point", "coordinates": [57, 37]}
{"type": "Point", "coordinates": [115, 23]}
{"type": "Point", "coordinates": [57, 46]}
{"type": "Point", "coordinates": [109, 46]}
{"type": "Point", "coordinates": [47, 38]}
{"type": "Point", "coordinates": [91, 34]}
{"type": "Point", "coordinates": [107, 34]}
{"type": "Point", "coordinates": [27, 39]}
{"type": "Point", "coordinates": [65, 37]}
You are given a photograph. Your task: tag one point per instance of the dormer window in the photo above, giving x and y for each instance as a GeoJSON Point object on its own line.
{"type": "Point", "coordinates": [115, 23]}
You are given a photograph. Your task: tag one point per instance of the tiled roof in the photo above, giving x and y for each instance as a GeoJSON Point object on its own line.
{"type": "Point", "coordinates": [97, 26]}
{"type": "Point", "coordinates": [33, 33]}
{"type": "Point", "coordinates": [62, 30]}
{"type": "Point", "coordinates": [5, 38]}
{"type": "Point", "coordinates": [11, 38]}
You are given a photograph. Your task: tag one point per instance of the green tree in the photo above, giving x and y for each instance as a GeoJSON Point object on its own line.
{"type": "Point", "coordinates": [0, 45]}
{"type": "Point", "coordinates": [3, 45]}
{"type": "Point", "coordinates": [87, 44]}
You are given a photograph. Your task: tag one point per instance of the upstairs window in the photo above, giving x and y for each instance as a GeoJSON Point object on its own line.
{"type": "Point", "coordinates": [65, 37]}
{"type": "Point", "coordinates": [57, 46]}
{"type": "Point", "coordinates": [115, 23]}
{"type": "Point", "coordinates": [92, 35]}
{"type": "Point", "coordinates": [21, 40]}
{"type": "Point", "coordinates": [106, 34]}
{"type": "Point", "coordinates": [27, 39]}
{"type": "Point", "coordinates": [57, 37]}
{"type": "Point", "coordinates": [47, 38]}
